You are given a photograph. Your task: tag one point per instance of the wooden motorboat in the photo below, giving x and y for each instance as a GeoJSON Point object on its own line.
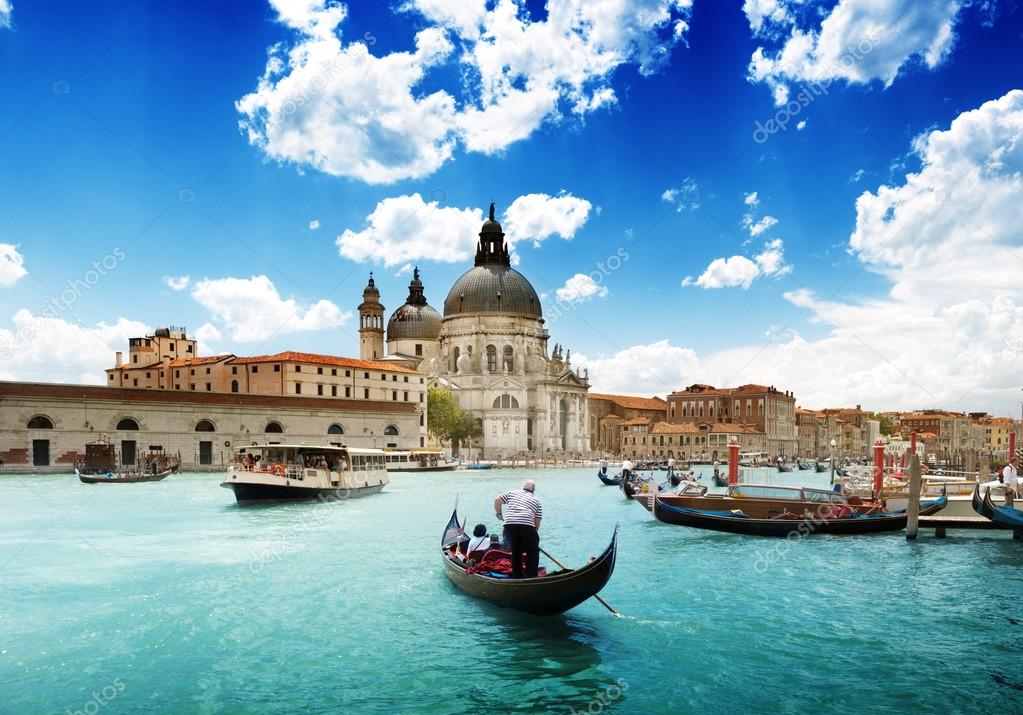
{"type": "Point", "coordinates": [125, 478]}
{"type": "Point", "coordinates": [822, 521]}
{"type": "Point", "coordinates": [479, 465]}
{"type": "Point", "coordinates": [290, 472]}
{"type": "Point", "coordinates": [1006, 516]}
{"type": "Point", "coordinates": [546, 595]}
{"type": "Point", "coordinates": [765, 501]}
{"type": "Point", "coordinates": [610, 481]}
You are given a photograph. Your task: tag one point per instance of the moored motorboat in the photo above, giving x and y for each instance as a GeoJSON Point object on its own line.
{"type": "Point", "coordinates": [479, 465]}
{"type": "Point", "coordinates": [289, 472]}
{"type": "Point", "coordinates": [768, 500]}
{"type": "Point", "coordinates": [419, 460]}
{"type": "Point", "coordinates": [827, 519]}
{"type": "Point", "coordinates": [550, 594]}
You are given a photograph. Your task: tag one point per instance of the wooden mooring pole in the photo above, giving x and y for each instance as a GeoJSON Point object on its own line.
{"type": "Point", "coordinates": [913, 508]}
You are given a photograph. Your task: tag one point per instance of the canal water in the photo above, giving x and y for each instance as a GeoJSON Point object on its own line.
{"type": "Point", "coordinates": [168, 598]}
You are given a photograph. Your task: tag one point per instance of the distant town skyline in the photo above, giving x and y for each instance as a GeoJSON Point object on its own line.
{"type": "Point", "coordinates": [768, 192]}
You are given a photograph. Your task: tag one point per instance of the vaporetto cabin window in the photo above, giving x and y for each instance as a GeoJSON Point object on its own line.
{"type": "Point", "coordinates": [505, 402]}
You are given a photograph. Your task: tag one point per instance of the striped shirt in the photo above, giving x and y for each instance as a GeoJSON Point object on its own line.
{"type": "Point", "coordinates": [521, 507]}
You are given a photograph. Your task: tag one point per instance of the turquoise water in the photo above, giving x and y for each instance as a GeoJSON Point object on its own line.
{"type": "Point", "coordinates": [168, 598]}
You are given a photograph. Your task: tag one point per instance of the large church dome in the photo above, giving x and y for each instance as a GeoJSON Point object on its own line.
{"type": "Point", "coordinates": [492, 285]}
{"type": "Point", "coordinates": [415, 319]}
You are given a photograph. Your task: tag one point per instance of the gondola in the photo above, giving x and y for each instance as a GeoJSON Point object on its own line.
{"type": "Point", "coordinates": [547, 595]}
{"type": "Point", "coordinates": [720, 480]}
{"type": "Point", "coordinates": [739, 523]}
{"type": "Point", "coordinates": [980, 504]}
{"type": "Point", "coordinates": [784, 467]}
{"type": "Point", "coordinates": [609, 481]}
{"type": "Point", "coordinates": [1006, 516]}
{"type": "Point", "coordinates": [130, 478]}
{"type": "Point", "coordinates": [821, 467]}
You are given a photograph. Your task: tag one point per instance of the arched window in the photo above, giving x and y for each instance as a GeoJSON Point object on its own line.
{"type": "Point", "coordinates": [508, 361]}
{"type": "Point", "coordinates": [491, 358]}
{"type": "Point", "coordinates": [234, 386]}
{"type": "Point", "coordinates": [455, 355]}
{"type": "Point", "coordinates": [274, 428]}
{"type": "Point", "coordinates": [335, 429]}
{"type": "Point", "coordinates": [204, 426]}
{"type": "Point", "coordinates": [505, 402]}
{"type": "Point", "coordinates": [40, 422]}
{"type": "Point", "coordinates": [128, 424]}
{"type": "Point", "coordinates": [391, 431]}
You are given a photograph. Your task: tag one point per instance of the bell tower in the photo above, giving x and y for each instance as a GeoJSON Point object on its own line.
{"type": "Point", "coordinates": [371, 323]}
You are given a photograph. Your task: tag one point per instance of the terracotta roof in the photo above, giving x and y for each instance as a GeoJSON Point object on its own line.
{"type": "Point", "coordinates": [188, 362]}
{"type": "Point", "coordinates": [129, 366]}
{"type": "Point", "coordinates": [696, 428]}
{"type": "Point", "coordinates": [632, 402]}
{"type": "Point", "coordinates": [99, 392]}
{"type": "Point", "coordinates": [637, 421]}
{"type": "Point", "coordinates": [292, 356]}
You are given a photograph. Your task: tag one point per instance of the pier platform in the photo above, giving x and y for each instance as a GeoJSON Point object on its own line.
{"type": "Point", "coordinates": [941, 523]}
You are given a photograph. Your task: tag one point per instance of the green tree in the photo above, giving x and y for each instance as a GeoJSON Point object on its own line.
{"type": "Point", "coordinates": [448, 422]}
{"type": "Point", "coordinates": [885, 422]}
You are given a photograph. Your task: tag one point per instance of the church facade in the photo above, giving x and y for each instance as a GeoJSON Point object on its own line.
{"type": "Point", "coordinates": [490, 349]}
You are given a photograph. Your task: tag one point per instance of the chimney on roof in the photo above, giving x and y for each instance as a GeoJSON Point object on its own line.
{"type": "Point", "coordinates": [118, 358]}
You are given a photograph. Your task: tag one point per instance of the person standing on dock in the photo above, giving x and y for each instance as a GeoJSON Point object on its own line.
{"type": "Point", "coordinates": [1010, 475]}
{"type": "Point", "coordinates": [521, 515]}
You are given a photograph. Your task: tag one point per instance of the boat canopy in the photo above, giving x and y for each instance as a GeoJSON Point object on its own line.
{"type": "Point", "coordinates": [311, 448]}
{"type": "Point", "coordinates": [762, 491]}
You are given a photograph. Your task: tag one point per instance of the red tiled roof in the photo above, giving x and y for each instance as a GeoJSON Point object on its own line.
{"type": "Point", "coordinates": [292, 356]}
{"type": "Point", "coordinates": [188, 362]}
{"type": "Point", "coordinates": [637, 421]}
{"type": "Point", "coordinates": [99, 392]}
{"type": "Point", "coordinates": [632, 402]}
{"type": "Point", "coordinates": [129, 366]}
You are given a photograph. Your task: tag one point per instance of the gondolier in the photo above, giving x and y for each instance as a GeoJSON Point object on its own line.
{"type": "Point", "coordinates": [521, 513]}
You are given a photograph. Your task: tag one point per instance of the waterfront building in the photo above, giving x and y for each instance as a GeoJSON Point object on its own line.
{"type": "Point", "coordinates": [608, 414]}
{"type": "Point", "coordinates": [45, 427]}
{"type": "Point", "coordinates": [758, 407]}
{"type": "Point", "coordinates": [703, 441]}
{"type": "Point", "coordinates": [490, 349]}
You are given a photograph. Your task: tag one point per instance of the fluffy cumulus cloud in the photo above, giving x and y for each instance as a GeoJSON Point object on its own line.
{"type": "Point", "coordinates": [176, 283]}
{"type": "Point", "coordinates": [686, 196]}
{"type": "Point", "coordinates": [327, 101]}
{"type": "Point", "coordinates": [653, 369]}
{"type": "Point", "coordinates": [46, 347]}
{"type": "Point", "coordinates": [12, 264]}
{"type": "Point", "coordinates": [251, 309]}
{"type": "Point", "coordinates": [5, 13]}
{"type": "Point", "coordinates": [858, 41]}
{"type": "Point", "coordinates": [408, 228]}
{"type": "Point", "coordinates": [758, 226]}
{"type": "Point", "coordinates": [580, 287]}
{"type": "Point", "coordinates": [740, 271]}
{"type": "Point", "coordinates": [536, 217]}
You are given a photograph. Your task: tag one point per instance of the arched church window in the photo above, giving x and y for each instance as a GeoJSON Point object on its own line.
{"type": "Point", "coordinates": [508, 361]}
{"type": "Point", "coordinates": [491, 358]}
{"type": "Point", "coordinates": [455, 354]}
{"type": "Point", "coordinates": [506, 402]}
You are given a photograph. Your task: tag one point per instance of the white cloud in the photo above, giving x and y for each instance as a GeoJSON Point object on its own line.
{"type": "Point", "coordinates": [801, 125]}
{"type": "Point", "coordinates": [580, 287]}
{"type": "Point", "coordinates": [406, 228]}
{"type": "Point", "coordinates": [46, 348]}
{"type": "Point", "coordinates": [756, 228]}
{"type": "Point", "coordinates": [856, 176]}
{"type": "Point", "coordinates": [686, 197]}
{"type": "Point", "coordinates": [653, 369]}
{"type": "Point", "coordinates": [751, 199]}
{"type": "Point", "coordinates": [858, 41]}
{"type": "Point", "coordinates": [346, 112]}
{"type": "Point", "coordinates": [536, 217]}
{"type": "Point", "coordinates": [5, 13]}
{"type": "Point", "coordinates": [208, 333]}
{"type": "Point", "coordinates": [178, 283]}
{"type": "Point", "coordinates": [252, 309]}
{"type": "Point", "coordinates": [314, 225]}
{"type": "Point", "coordinates": [740, 271]}
{"type": "Point", "coordinates": [12, 264]}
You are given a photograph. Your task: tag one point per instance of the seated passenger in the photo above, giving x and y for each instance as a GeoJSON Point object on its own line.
{"type": "Point", "coordinates": [480, 541]}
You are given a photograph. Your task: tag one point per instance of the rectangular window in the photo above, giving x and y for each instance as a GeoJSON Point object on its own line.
{"type": "Point", "coordinates": [234, 369]}
{"type": "Point", "coordinates": [366, 395]}
{"type": "Point", "coordinates": [205, 452]}
{"type": "Point", "coordinates": [207, 371]}
{"type": "Point", "coordinates": [177, 373]}
{"type": "Point", "coordinates": [406, 378]}
{"type": "Point", "coordinates": [383, 376]}
{"type": "Point", "coordinates": [177, 387]}
{"type": "Point", "coordinates": [192, 371]}
{"type": "Point", "coordinates": [348, 373]}
{"type": "Point", "coordinates": [333, 371]}
{"type": "Point", "coordinates": [319, 371]}
{"type": "Point", "coordinates": [255, 368]}
{"type": "Point", "coordinates": [405, 397]}
{"type": "Point", "coordinates": [209, 387]}
{"type": "Point", "coordinates": [135, 382]}
{"type": "Point", "coordinates": [147, 375]}
{"type": "Point", "coordinates": [365, 375]}
{"type": "Point", "coordinates": [191, 386]}
{"type": "Point", "coordinates": [394, 395]}
{"type": "Point", "coordinates": [419, 349]}
{"type": "Point", "coordinates": [298, 388]}
{"type": "Point", "coordinates": [277, 368]}
{"type": "Point", "coordinates": [333, 390]}
{"type": "Point", "coordinates": [319, 389]}
{"type": "Point", "coordinates": [348, 391]}
{"type": "Point", "coordinates": [394, 378]}
{"type": "Point", "coordinates": [420, 396]}
{"type": "Point", "coordinates": [298, 368]}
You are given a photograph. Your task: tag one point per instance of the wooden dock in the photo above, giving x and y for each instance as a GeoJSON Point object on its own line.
{"type": "Point", "coordinates": [941, 523]}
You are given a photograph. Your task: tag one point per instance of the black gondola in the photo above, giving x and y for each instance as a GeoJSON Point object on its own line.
{"type": "Point", "coordinates": [129, 478]}
{"type": "Point", "coordinates": [821, 467]}
{"type": "Point", "coordinates": [739, 523]}
{"type": "Point", "coordinates": [1005, 516]}
{"type": "Point", "coordinates": [980, 504]}
{"type": "Point", "coordinates": [720, 480]}
{"type": "Point", "coordinates": [547, 595]}
{"type": "Point", "coordinates": [609, 481]}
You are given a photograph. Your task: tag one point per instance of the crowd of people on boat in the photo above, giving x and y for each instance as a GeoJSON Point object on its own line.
{"type": "Point", "coordinates": [255, 462]}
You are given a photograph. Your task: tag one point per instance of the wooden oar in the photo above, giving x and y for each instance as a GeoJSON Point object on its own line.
{"type": "Point", "coordinates": [604, 603]}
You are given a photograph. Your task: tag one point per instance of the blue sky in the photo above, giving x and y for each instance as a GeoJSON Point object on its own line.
{"type": "Point", "coordinates": [145, 138]}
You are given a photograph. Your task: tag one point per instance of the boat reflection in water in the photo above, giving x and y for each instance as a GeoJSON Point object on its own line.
{"type": "Point", "coordinates": [287, 472]}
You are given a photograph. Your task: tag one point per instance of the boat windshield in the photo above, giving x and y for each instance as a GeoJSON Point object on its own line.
{"type": "Point", "coordinates": [758, 491]}
{"type": "Point", "coordinates": [823, 495]}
